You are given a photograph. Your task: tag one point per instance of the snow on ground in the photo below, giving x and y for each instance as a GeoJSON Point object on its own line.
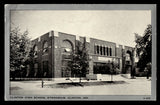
{"type": "Point", "coordinates": [138, 86]}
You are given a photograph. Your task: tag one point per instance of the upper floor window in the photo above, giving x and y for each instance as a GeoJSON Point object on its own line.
{"type": "Point", "coordinates": [97, 49]}
{"type": "Point", "coordinates": [35, 51]}
{"type": "Point", "coordinates": [110, 51]}
{"type": "Point", "coordinates": [104, 50]}
{"type": "Point", "coordinates": [101, 52]}
{"type": "Point", "coordinates": [35, 69]}
{"type": "Point", "coordinates": [107, 51]}
{"type": "Point", "coordinates": [67, 46]}
{"type": "Point", "coordinates": [45, 47]}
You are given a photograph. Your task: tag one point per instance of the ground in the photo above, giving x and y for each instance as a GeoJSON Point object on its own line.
{"type": "Point", "coordinates": [121, 86]}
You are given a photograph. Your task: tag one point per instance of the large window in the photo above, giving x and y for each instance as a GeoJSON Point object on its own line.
{"type": "Point", "coordinates": [104, 51]}
{"type": "Point", "coordinates": [35, 69]}
{"type": "Point", "coordinates": [97, 49]}
{"type": "Point", "coordinates": [67, 46]}
{"type": "Point", "coordinates": [107, 51]}
{"type": "Point", "coordinates": [110, 51]}
{"type": "Point", "coordinates": [101, 68]}
{"type": "Point", "coordinates": [101, 52]}
{"type": "Point", "coordinates": [35, 51]}
{"type": "Point", "coordinates": [45, 47]}
{"type": "Point", "coordinates": [45, 68]}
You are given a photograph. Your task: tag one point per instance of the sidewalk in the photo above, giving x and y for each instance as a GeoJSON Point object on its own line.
{"type": "Point", "coordinates": [138, 86]}
{"type": "Point", "coordinates": [118, 77]}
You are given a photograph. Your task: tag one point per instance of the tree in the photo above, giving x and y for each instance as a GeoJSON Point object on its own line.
{"type": "Point", "coordinates": [19, 50]}
{"type": "Point", "coordinates": [29, 61]}
{"type": "Point", "coordinates": [143, 47]}
{"type": "Point", "coordinates": [79, 64]}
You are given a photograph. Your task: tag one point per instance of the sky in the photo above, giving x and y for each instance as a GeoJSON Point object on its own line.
{"type": "Point", "coordinates": [116, 26]}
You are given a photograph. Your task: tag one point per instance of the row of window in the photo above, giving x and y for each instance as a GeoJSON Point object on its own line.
{"type": "Point", "coordinates": [45, 68]}
{"type": "Point", "coordinates": [45, 49]}
{"type": "Point", "coordinates": [66, 45]}
{"type": "Point", "coordinates": [102, 50]}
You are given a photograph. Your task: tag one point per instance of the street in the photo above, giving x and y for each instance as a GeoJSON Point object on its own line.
{"type": "Point", "coordinates": [138, 86]}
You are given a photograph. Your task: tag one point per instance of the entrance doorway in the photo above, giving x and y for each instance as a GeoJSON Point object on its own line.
{"type": "Point", "coordinates": [128, 62]}
{"type": "Point", "coordinates": [101, 68]}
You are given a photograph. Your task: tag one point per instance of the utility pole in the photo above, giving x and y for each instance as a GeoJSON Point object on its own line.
{"type": "Point", "coordinates": [42, 83]}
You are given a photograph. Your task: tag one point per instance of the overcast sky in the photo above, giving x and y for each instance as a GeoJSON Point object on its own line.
{"type": "Point", "coordinates": [115, 26]}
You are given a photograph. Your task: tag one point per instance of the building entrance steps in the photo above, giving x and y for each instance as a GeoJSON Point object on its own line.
{"type": "Point", "coordinates": [128, 75]}
{"type": "Point", "coordinates": [108, 77]}
{"type": "Point", "coordinates": [68, 79]}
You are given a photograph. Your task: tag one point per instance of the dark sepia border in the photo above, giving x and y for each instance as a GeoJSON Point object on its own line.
{"type": "Point", "coordinates": [151, 7]}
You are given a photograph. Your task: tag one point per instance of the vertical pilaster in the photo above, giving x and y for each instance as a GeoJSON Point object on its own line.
{"type": "Point", "coordinates": [102, 49]}
{"type": "Point", "coordinates": [57, 56]}
{"type": "Point", "coordinates": [99, 49]}
{"type": "Point", "coordinates": [95, 48]}
{"type": "Point", "coordinates": [108, 50]}
{"type": "Point", "coordinates": [91, 67]}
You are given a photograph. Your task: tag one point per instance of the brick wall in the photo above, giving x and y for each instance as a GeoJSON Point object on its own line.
{"type": "Point", "coordinates": [54, 56]}
{"type": "Point", "coordinates": [58, 41]}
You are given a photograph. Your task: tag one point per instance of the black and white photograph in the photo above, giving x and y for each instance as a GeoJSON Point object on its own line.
{"type": "Point", "coordinates": [80, 52]}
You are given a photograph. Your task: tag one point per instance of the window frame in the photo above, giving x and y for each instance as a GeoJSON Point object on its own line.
{"type": "Point", "coordinates": [45, 47]}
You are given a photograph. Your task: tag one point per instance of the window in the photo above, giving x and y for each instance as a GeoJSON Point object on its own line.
{"type": "Point", "coordinates": [107, 51]}
{"type": "Point", "coordinates": [35, 51]}
{"type": "Point", "coordinates": [101, 68]}
{"type": "Point", "coordinates": [64, 63]}
{"type": "Point", "coordinates": [45, 47]}
{"type": "Point", "coordinates": [65, 72]}
{"type": "Point", "coordinates": [66, 56]}
{"type": "Point", "coordinates": [35, 69]}
{"type": "Point", "coordinates": [67, 46]}
{"type": "Point", "coordinates": [28, 70]}
{"type": "Point", "coordinates": [45, 68]}
{"type": "Point", "coordinates": [101, 50]}
{"type": "Point", "coordinates": [97, 49]}
{"type": "Point", "coordinates": [104, 52]}
{"type": "Point", "coordinates": [127, 57]}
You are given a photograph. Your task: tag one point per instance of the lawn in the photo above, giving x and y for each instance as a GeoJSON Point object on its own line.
{"type": "Point", "coordinates": [82, 84]}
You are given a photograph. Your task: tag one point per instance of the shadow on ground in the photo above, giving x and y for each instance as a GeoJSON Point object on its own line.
{"type": "Point", "coordinates": [15, 88]}
{"type": "Point", "coordinates": [82, 84]}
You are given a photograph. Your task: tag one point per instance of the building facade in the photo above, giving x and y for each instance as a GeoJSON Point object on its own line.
{"type": "Point", "coordinates": [52, 52]}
